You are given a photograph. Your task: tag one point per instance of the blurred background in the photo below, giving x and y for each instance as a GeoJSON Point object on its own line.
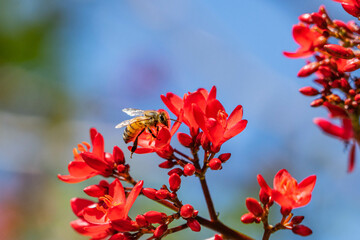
{"type": "Point", "coordinates": [69, 65]}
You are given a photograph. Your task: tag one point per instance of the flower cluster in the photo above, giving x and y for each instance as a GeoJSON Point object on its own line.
{"type": "Point", "coordinates": [333, 65]}
{"type": "Point", "coordinates": [289, 195]}
{"type": "Point", "coordinates": [209, 126]}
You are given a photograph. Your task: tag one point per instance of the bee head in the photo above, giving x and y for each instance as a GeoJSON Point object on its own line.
{"type": "Point", "coordinates": [163, 118]}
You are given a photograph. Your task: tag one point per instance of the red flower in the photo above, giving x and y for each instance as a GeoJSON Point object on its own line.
{"type": "Point", "coordinates": [183, 108]}
{"type": "Point", "coordinates": [307, 38]}
{"type": "Point", "coordinates": [109, 215]}
{"type": "Point", "coordinates": [88, 164]}
{"type": "Point", "coordinates": [287, 192]}
{"type": "Point", "coordinates": [351, 6]}
{"type": "Point", "coordinates": [344, 132]}
{"type": "Point", "coordinates": [216, 124]}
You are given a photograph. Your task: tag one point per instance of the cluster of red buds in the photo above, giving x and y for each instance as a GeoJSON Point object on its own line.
{"type": "Point", "coordinates": [334, 45]}
{"type": "Point", "coordinates": [209, 127]}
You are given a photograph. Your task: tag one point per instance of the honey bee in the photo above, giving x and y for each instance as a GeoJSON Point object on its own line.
{"type": "Point", "coordinates": [145, 120]}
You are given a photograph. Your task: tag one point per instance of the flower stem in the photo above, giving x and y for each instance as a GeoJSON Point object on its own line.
{"type": "Point", "coordinates": [209, 202]}
{"type": "Point", "coordinates": [223, 229]}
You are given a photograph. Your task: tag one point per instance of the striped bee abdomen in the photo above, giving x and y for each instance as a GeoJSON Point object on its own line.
{"type": "Point", "coordinates": [133, 129]}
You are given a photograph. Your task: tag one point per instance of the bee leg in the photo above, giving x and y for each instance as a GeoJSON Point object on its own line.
{"type": "Point", "coordinates": [152, 134]}
{"type": "Point", "coordinates": [134, 147]}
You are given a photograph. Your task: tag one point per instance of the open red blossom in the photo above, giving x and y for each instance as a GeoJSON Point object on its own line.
{"type": "Point", "coordinates": [88, 163]}
{"type": "Point", "coordinates": [307, 38]}
{"type": "Point", "coordinates": [217, 125]}
{"type": "Point", "coordinates": [107, 216]}
{"type": "Point", "coordinates": [183, 107]}
{"type": "Point", "coordinates": [160, 144]}
{"type": "Point", "coordinates": [351, 6]}
{"type": "Point", "coordinates": [287, 192]}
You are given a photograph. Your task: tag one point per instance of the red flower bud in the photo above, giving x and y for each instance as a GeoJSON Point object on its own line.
{"type": "Point", "coordinates": [306, 18]}
{"type": "Point", "coordinates": [205, 142]}
{"type": "Point", "coordinates": [352, 92]}
{"type": "Point", "coordinates": [357, 97]}
{"type": "Point", "coordinates": [254, 207]}
{"type": "Point", "coordinates": [347, 101]}
{"type": "Point", "coordinates": [167, 164]}
{"type": "Point", "coordinates": [215, 164]}
{"type": "Point", "coordinates": [325, 71]}
{"type": "Point", "coordinates": [175, 170]}
{"type": "Point", "coordinates": [297, 219]}
{"type": "Point", "coordinates": [263, 196]}
{"type": "Point", "coordinates": [309, 91]}
{"type": "Point", "coordinates": [150, 193]}
{"type": "Point", "coordinates": [341, 24]}
{"type": "Point", "coordinates": [194, 224]}
{"type": "Point", "coordinates": [195, 213]}
{"type": "Point", "coordinates": [319, 20]}
{"type": "Point", "coordinates": [160, 230]}
{"type": "Point", "coordinates": [141, 221]}
{"type": "Point", "coordinates": [339, 51]}
{"type": "Point", "coordinates": [285, 211]}
{"type": "Point", "coordinates": [218, 237]}
{"type": "Point", "coordinates": [154, 217]}
{"type": "Point", "coordinates": [118, 155]}
{"type": "Point", "coordinates": [184, 139]}
{"type": "Point", "coordinates": [187, 211]}
{"type": "Point", "coordinates": [317, 102]}
{"type": "Point", "coordinates": [121, 168]}
{"type": "Point", "coordinates": [352, 9]}
{"type": "Point", "coordinates": [174, 181]}
{"type": "Point", "coordinates": [95, 190]}
{"type": "Point", "coordinates": [189, 169]}
{"type": "Point", "coordinates": [172, 195]}
{"type": "Point", "coordinates": [302, 230]}
{"type": "Point", "coordinates": [344, 84]}
{"type": "Point", "coordinates": [224, 157]}
{"type": "Point", "coordinates": [162, 194]}
{"type": "Point", "coordinates": [248, 218]}
{"type": "Point", "coordinates": [308, 69]}
{"type": "Point", "coordinates": [351, 65]}
{"type": "Point", "coordinates": [353, 27]}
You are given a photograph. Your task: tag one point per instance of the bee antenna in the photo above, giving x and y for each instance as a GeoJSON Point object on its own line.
{"type": "Point", "coordinates": [174, 120]}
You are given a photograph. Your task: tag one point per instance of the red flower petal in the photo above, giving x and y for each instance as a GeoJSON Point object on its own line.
{"type": "Point", "coordinates": [95, 162]}
{"type": "Point", "coordinates": [123, 225]}
{"type": "Point", "coordinates": [236, 129]}
{"type": "Point", "coordinates": [282, 200]}
{"type": "Point", "coordinates": [163, 138]}
{"type": "Point", "coordinates": [212, 109]}
{"type": "Point", "coordinates": [235, 116]}
{"type": "Point", "coordinates": [352, 158]}
{"type": "Point", "coordinates": [98, 145]}
{"type": "Point", "coordinates": [78, 204]}
{"type": "Point", "coordinates": [93, 215]}
{"type": "Point", "coordinates": [212, 94]}
{"type": "Point", "coordinates": [263, 184]}
{"type": "Point", "coordinates": [173, 102]}
{"type": "Point", "coordinates": [307, 185]}
{"type": "Point", "coordinates": [330, 128]}
{"type": "Point", "coordinates": [72, 179]}
{"type": "Point", "coordinates": [133, 195]}
{"type": "Point", "coordinates": [80, 169]}
{"type": "Point", "coordinates": [116, 191]}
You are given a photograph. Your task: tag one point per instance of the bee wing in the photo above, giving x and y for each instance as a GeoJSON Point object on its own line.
{"type": "Point", "coordinates": [133, 111]}
{"type": "Point", "coordinates": [130, 121]}
{"type": "Point", "coordinates": [123, 123]}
